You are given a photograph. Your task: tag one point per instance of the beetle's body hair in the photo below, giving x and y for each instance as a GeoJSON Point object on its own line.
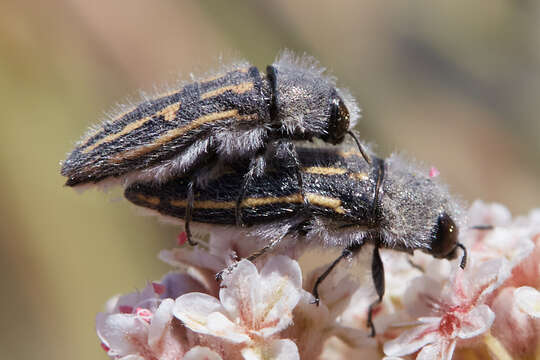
{"type": "Point", "coordinates": [341, 188]}
{"type": "Point", "coordinates": [208, 123]}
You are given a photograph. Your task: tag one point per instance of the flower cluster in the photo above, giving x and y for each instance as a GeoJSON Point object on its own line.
{"type": "Point", "coordinates": [264, 310]}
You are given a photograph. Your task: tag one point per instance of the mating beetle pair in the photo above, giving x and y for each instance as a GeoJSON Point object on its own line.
{"type": "Point", "coordinates": [175, 153]}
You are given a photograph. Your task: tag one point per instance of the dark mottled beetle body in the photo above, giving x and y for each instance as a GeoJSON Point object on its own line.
{"type": "Point", "coordinates": [160, 129]}
{"type": "Point", "coordinates": [390, 204]}
{"type": "Point", "coordinates": [337, 188]}
{"type": "Point", "coordinates": [239, 114]}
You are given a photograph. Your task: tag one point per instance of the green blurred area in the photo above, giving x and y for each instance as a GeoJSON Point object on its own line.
{"type": "Point", "coordinates": [453, 84]}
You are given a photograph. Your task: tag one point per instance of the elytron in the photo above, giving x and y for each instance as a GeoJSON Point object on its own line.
{"type": "Point", "coordinates": [389, 204]}
{"type": "Point", "coordinates": [202, 126]}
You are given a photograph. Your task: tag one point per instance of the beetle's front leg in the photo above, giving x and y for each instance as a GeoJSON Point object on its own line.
{"type": "Point", "coordinates": [377, 274]}
{"type": "Point", "coordinates": [347, 253]}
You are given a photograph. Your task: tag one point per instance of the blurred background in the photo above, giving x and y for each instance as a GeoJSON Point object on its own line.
{"type": "Point", "coordinates": [454, 84]}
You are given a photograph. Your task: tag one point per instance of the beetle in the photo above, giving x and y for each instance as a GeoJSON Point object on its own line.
{"type": "Point", "coordinates": [237, 115]}
{"type": "Point", "coordinates": [389, 204]}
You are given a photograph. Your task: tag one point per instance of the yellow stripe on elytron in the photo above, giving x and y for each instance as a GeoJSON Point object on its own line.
{"type": "Point", "coordinates": [238, 89]}
{"type": "Point", "coordinates": [207, 80]}
{"type": "Point", "coordinates": [349, 153]}
{"type": "Point", "coordinates": [205, 204]}
{"type": "Point", "coordinates": [326, 201]}
{"type": "Point", "coordinates": [175, 133]}
{"type": "Point", "coordinates": [168, 113]}
{"type": "Point", "coordinates": [254, 202]}
{"type": "Point", "coordinates": [319, 170]}
{"type": "Point", "coordinates": [315, 199]}
{"type": "Point", "coordinates": [359, 176]}
{"type": "Point", "coordinates": [153, 200]}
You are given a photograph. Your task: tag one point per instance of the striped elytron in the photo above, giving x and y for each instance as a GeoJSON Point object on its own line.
{"type": "Point", "coordinates": [391, 204]}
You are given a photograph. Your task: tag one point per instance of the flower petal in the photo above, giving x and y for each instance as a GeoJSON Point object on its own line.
{"type": "Point", "coordinates": [440, 350]}
{"type": "Point", "coordinates": [240, 292]}
{"type": "Point", "coordinates": [284, 349]}
{"type": "Point", "coordinates": [193, 309]}
{"type": "Point", "coordinates": [281, 286]}
{"type": "Point", "coordinates": [476, 322]}
{"type": "Point", "coordinates": [177, 284]}
{"type": "Point", "coordinates": [219, 325]}
{"type": "Point", "coordinates": [412, 340]}
{"type": "Point", "coordinates": [161, 319]}
{"type": "Point", "coordinates": [204, 314]}
{"type": "Point", "coordinates": [528, 300]}
{"type": "Point", "coordinates": [201, 353]}
{"type": "Point", "coordinates": [123, 334]}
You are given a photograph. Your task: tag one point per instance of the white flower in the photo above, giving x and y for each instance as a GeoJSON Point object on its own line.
{"type": "Point", "coordinates": [142, 337]}
{"type": "Point", "coordinates": [457, 308]}
{"type": "Point", "coordinates": [252, 307]}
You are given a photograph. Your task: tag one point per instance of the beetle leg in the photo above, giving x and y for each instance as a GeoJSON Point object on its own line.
{"type": "Point", "coordinates": [256, 168]}
{"type": "Point", "coordinates": [377, 273]}
{"type": "Point", "coordinates": [189, 210]}
{"type": "Point", "coordinates": [253, 256]}
{"type": "Point", "coordinates": [347, 253]}
{"type": "Point", "coordinates": [286, 151]}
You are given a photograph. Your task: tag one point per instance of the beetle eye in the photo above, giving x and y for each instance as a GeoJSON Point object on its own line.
{"type": "Point", "coordinates": [445, 238]}
{"type": "Point", "coordinates": [338, 122]}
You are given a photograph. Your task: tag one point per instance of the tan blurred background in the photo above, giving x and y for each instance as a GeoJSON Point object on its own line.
{"type": "Point", "coordinates": [452, 83]}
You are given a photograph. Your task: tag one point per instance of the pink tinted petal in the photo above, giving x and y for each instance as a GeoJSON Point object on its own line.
{"type": "Point", "coordinates": [160, 321]}
{"type": "Point", "coordinates": [476, 322]}
{"type": "Point", "coordinates": [441, 350]}
{"type": "Point", "coordinates": [528, 300]}
{"type": "Point", "coordinates": [122, 334]}
{"type": "Point", "coordinates": [276, 350]}
{"type": "Point", "coordinates": [201, 353]}
{"type": "Point", "coordinates": [412, 340]}
{"type": "Point", "coordinates": [513, 328]}
{"type": "Point", "coordinates": [240, 292]}
{"type": "Point", "coordinates": [512, 243]}
{"type": "Point", "coordinates": [421, 297]}
{"type": "Point", "coordinates": [177, 284]}
{"type": "Point", "coordinates": [137, 299]}
{"type": "Point", "coordinates": [281, 289]}
{"type": "Point", "coordinates": [284, 267]}
{"type": "Point", "coordinates": [132, 357]}
{"type": "Point", "coordinates": [482, 279]}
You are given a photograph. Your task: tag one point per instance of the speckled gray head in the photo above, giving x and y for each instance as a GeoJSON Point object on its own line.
{"type": "Point", "coordinates": [306, 101]}
{"type": "Point", "coordinates": [417, 211]}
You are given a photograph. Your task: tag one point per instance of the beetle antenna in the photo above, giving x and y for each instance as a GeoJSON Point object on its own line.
{"type": "Point", "coordinates": [464, 258]}
{"type": "Point", "coordinates": [482, 227]}
{"type": "Point", "coordinates": [364, 154]}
